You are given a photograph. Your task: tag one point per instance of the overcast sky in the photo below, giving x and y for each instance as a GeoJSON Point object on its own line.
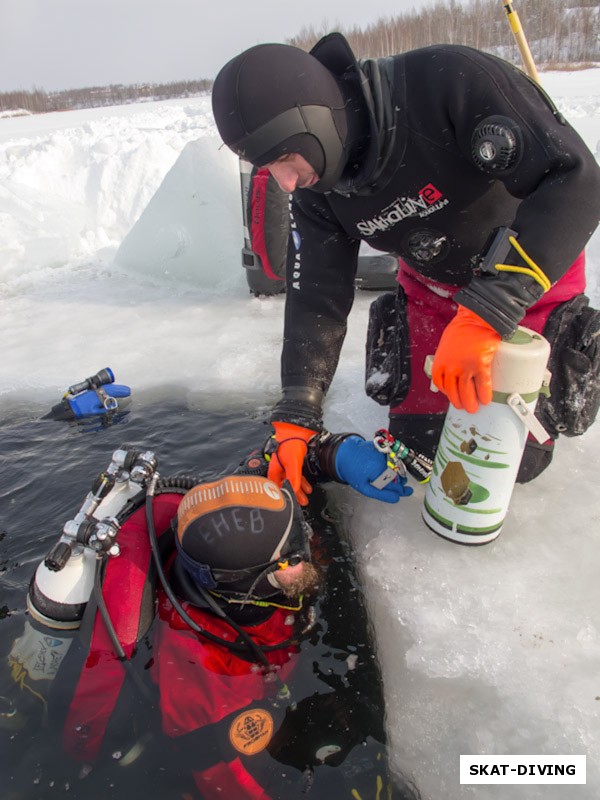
{"type": "Point", "coordinates": [61, 44]}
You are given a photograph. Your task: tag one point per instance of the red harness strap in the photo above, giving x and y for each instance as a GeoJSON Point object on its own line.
{"type": "Point", "coordinates": [102, 677]}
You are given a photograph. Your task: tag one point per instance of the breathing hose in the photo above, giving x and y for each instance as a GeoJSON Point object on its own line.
{"type": "Point", "coordinates": [248, 645]}
{"type": "Point", "coordinates": [110, 629]}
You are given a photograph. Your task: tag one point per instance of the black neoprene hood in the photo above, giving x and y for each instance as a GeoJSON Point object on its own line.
{"type": "Point", "coordinates": [275, 99]}
{"type": "Point", "coordinates": [230, 531]}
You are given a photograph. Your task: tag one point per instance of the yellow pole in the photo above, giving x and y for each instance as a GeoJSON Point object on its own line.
{"type": "Point", "coordinates": [515, 24]}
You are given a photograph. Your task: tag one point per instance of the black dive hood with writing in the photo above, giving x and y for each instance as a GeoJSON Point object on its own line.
{"type": "Point", "coordinates": [275, 99]}
{"type": "Point", "coordinates": [232, 533]}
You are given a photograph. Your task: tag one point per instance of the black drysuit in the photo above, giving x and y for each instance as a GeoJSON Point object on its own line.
{"type": "Point", "coordinates": [431, 189]}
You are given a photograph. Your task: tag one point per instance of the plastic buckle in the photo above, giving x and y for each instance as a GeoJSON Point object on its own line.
{"type": "Point", "coordinates": [497, 251]}
{"type": "Point", "coordinates": [531, 422]}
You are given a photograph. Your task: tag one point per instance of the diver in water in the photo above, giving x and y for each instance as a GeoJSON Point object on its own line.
{"type": "Point", "coordinates": [214, 584]}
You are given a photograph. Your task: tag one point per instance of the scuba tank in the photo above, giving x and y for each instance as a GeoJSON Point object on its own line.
{"type": "Point", "coordinates": [63, 583]}
{"type": "Point", "coordinates": [478, 455]}
{"type": "Point", "coordinates": [33, 663]}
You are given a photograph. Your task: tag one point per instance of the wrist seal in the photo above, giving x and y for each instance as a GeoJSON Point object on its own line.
{"type": "Point", "coordinates": [322, 451]}
{"type": "Point", "coordinates": [300, 405]}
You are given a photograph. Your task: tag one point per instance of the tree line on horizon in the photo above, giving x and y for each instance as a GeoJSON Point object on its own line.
{"type": "Point", "coordinates": [40, 102]}
{"type": "Point", "coordinates": [562, 34]}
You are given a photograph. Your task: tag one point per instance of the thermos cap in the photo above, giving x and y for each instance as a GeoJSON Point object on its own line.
{"type": "Point", "coordinates": [519, 365]}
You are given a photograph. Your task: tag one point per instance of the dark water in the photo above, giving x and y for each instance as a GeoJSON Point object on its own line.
{"type": "Point", "coordinates": [46, 469]}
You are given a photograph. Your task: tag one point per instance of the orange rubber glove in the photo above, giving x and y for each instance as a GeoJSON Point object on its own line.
{"type": "Point", "coordinates": [287, 461]}
{"type": "Point", "coordinates": [462, 367]}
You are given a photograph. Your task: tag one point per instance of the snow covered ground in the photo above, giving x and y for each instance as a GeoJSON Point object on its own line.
{"type": "Point", "coordinates": [120, 237]}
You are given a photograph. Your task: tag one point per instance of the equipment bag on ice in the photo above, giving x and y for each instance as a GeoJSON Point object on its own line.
{"type": "Point", "coordinates": [573, 330]}
{"type": "Point", "coordinates": [387, 376]}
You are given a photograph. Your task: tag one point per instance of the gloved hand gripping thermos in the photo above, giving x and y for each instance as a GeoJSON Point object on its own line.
{"type": "Point", "coordinates": [462, 367]}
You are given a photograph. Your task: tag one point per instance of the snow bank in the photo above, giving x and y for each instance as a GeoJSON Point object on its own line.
{"type": "Point", "coordinates": [73, 184]}
{"type": "Point", "coordinates": [198, 200]}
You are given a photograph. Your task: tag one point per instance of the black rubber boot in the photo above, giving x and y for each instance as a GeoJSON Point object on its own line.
{"type": "Point", "coordinates": [536, 457]}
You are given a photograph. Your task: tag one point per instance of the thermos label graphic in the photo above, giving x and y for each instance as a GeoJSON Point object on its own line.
{"type": "Point", "coordinates": [478, 455]}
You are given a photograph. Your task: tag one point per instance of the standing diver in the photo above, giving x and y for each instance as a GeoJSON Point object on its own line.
{"type": "Point", "coordinates": [462, 166]}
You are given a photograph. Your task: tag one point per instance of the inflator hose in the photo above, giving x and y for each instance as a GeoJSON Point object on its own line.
{"type": "Point", "coordinates": [254, 649]}
{"type": "Point", "coordinates": [112, 634]}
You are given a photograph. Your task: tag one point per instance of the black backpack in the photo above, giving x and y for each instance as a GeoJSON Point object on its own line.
{"type": "Point", "coordinates": [573, 330]}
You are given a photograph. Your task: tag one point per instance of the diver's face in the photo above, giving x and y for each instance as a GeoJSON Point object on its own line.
{"type": "Point", "coordinates": [303, 578]}
{"type": "Point", "coordinates": [292, 172]}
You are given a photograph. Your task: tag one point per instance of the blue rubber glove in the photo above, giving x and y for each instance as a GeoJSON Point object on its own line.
{"type": "Point", "coordinates": [358, 462]}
